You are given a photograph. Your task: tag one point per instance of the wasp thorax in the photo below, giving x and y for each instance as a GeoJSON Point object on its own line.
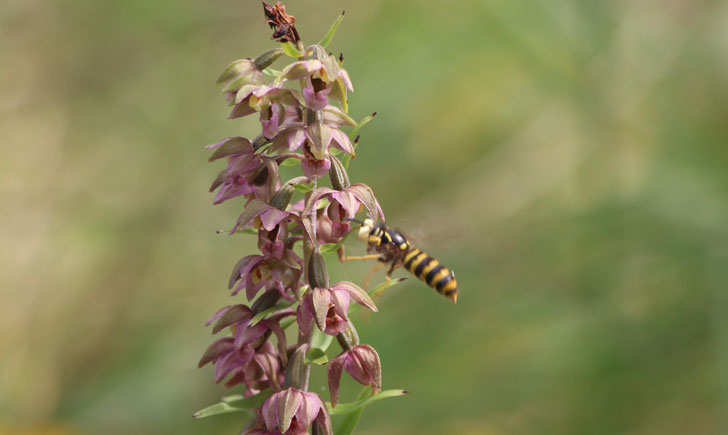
{"type": "Point", "coordinates": [365, 229]}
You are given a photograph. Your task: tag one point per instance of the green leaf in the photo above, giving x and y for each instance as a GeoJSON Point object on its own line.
{"type": "Point", "coordinates": [272, 72]}
{"type": "Point", "coordinates": [332, 30]}
{"type": "Point", "coordinates": [290, 49]}
{"type": "Point", "coordinates": [345, 408]}
{"type": "Point", "coordinates": [328, 248]}
{"type": "Point", "coordinates": [361, 124]}
{"type": "Point", "coordinates": [262, 315]}
{"type": "Point", "coordinates": [291, 161]}
{"type": "Point", "coordinates": [320, 340]}
{"type": "Point", "coordinates": [234, 403]}
{"type": "Point", "coordinates": [334, 115]}
{"type": "Point", "coordinates": [316, 356]}
{"type": "Point", "coordinates": [379, 289]}
{"type": "Point", "coordinates": [347, 423]}
{"type": "Point", "coordinates": [287, 323]}
{"type": "Point", "coordinates": [219, 408]}
{"type": "Point", "coordinates": [304, 187]}
{"type": "Point", "coordinates": [232, 398]}
{"type": "Point", "coordinates": [352, 136]}
{"type": "Point", "coordinates": [246, 231]}
{"type": "Point", "coordinates": [248, 402]}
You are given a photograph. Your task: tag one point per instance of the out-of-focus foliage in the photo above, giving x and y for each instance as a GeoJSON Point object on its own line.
{"type": "Point", "coordinates": [567, 159]}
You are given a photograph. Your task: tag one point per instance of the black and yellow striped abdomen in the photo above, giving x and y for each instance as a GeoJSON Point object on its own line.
{"type": "Point", "coordinates": [432, 272]}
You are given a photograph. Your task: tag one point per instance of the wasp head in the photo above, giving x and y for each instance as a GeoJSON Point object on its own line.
{"type": "Point", "coordinates": [365, 229]}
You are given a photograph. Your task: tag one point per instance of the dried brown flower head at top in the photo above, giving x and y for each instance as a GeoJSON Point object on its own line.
{"type": "Point", "coordinates": [278, 19]}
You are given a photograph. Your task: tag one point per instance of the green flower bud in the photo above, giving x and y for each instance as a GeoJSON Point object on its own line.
{"type": "Point", "coordinates": [267, 300]}
{"type": "Point", "coordinates": [349, 338]}
{"type": "Point", "coordinates": [259, 141]}
{"type": "Point", "coordinates": [281, 198]}
{"type": "Point", "coordinates": [317, 275]}
{"type": "Point", "coordinates": [318, 52]}
{"type": "Point", "coordinates": [296, 376]}
{"type": "Point", "coordinates": [338, 175]}
{"type": "Point", "coordinates": [266, 59]}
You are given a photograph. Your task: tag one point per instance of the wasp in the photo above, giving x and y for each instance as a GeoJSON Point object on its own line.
{"type": "Point", "coordinates": [392, 247]}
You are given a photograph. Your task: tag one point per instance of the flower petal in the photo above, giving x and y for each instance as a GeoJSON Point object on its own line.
{"type": "Point", "coordinates": [340, 299]}
{"type": "Point", "coordinates": [272, 217]}
{"type": "Point", "coordinates": [245, 334]}
{"type": "Point", "coordinates": [324, 421]}
{"type": "Point", "coordinates": [320, 135]}
{"type": "Point", "coordinates": [280, 336]}
{"type": "Point", "coordinates": [342, 140]}
{"type": "Point", "coordinates": [241, 109]}
{"type": "Point", "coordinates": [357, 293]}
{"type": "Point", "coordinates": [333, 373]}
{"type": "Point", "coordinates": [234, 361]}
{"type": "Point", "coordinates": [230, 146]}
{"type": "Point", "coordinates": [287, 405]}
{"type": "Point", "coordinates": [364, 193]}
{"type": "Point", "coordinates": [234, 315]}
{"type": "Point", "coordinates": [299, 70]}
{"type": "Point", "coordinates": [344, 76]}
{"type": "Point", "coordinates": [269, 412]}
{"type": "Point", "coordinates": [369, 359]}
{"type": "Point", "coordinates": [215, 350]}
{"type": "Point", "coordinates": [320, 304]}
{"type": "Point", "coordinates": [354, 367]}
{"type": "Point", "coordinates": [217, 315]}
{"type": "Point", "coordinates": [348, 201]}
{"type": "Point", "coordinates": [304, 316]}
{"type": "Point", "coordinates": [296, 139]}
{"type": "Point", "coordinates": [309, 409]}
{"type": "Point", "coordinates": [252, 209]}
{"type": "Point", "coordinates": [315, 168]}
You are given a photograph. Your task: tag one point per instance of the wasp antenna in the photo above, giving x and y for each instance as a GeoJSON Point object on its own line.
{"type": "Point", "coordinates": [355, 220]}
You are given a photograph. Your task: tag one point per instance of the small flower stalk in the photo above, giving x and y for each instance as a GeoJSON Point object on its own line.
{"type": "Point", "coordinates": [302, 109]}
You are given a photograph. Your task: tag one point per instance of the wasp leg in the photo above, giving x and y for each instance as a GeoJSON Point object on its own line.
{"type": "Point", "coordinates": [343, 258]}
{"type": "Point", "coordinates": [394, 267]}
{"type": "Point", "coordinates": [370, 274]}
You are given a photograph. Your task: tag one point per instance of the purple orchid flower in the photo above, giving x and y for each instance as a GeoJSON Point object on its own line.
{"type": "Point", "coordinates": [362, 363]}
{"type": "Point", "coordinates": [257, 271]}
{"type": "Point", "coordinates": [292, 411]}
{"type": "Point", "coordinates": [328, 307]}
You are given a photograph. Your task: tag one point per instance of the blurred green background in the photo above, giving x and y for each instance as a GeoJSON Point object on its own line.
{"type": "Point", "coordinates": [567, 159]}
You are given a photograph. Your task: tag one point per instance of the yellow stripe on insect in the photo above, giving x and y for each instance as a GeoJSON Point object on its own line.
{"type": "Point", "coordinates": [416, 262]}
{"type": "Point", "coordinates": [440, 275]}
{"type": "Point", "coordinates": [452, 285]}
{"type": "Point", "coordinates": [433, 264]}
{"type": "Point", "coordinates": [411, 254]}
